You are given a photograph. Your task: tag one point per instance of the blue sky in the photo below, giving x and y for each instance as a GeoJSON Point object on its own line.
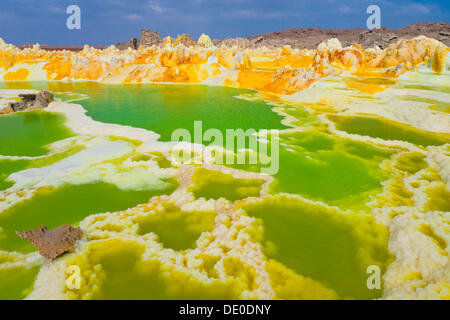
{"type": "Point", "coordinates": [105, 22]}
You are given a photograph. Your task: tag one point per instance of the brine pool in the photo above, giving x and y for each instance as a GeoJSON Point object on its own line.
{"type": "Point", "coordinates": [228, 232]}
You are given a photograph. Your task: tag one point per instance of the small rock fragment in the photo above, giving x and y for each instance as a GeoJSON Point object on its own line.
{"type": "Point", "coordinates": [6, 109]}
{"type": "Point", "coordinates": [53, 243]}
{"type": "Point", "coordinates": [18, 106]}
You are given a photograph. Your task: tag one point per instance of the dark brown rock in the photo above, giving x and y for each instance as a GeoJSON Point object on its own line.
{"type": "Point", "coordinates": [18, 106]}
{"type": "Point", "coordinates": [135, 42]}
{"type": "Point", "coordinates": [28, 97]}
{"type": "Point", "coordinates": [43, 99]}
{"type": "Point", "coordinates": [53, 243]}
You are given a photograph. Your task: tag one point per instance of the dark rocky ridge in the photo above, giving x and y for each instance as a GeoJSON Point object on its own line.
{"type": "Point", "coordinates": [310, 38]}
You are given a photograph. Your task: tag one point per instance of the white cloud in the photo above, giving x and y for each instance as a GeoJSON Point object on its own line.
{"type": "Point", "coordinates": [346, 9]}
{"type": "Point", "coordinates": [420, 8]}
{"type": "Point", "coordinates": [415, 9]}
{"type": "Point", "coordinates": [255, 14]}
{"type": "Point", "coordinates": [54, 9]}
{"type": "Point", "coordinates": [155, 7]}
{"type": "Point", "coordinates": [247, 13]}
{"type": "Point", "coordinates": [133, 17]}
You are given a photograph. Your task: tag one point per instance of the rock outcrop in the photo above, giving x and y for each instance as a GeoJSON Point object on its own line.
{"type": "Point", "coordinates": [41, 101]}
{"type": "Point", "coordinates": [29, 101]}
{"type": "Point", "coordinates": [149, 38]}
{"type": "Point", "coordinates": [186, 40]}
{"type": "Point", "coordinates": [53, 243]}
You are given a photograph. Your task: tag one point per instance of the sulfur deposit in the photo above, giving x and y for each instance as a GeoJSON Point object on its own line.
{"type": "Point", "coordinates": [363, 179]}
{"type": "Point", "coordinates": [282, 71]}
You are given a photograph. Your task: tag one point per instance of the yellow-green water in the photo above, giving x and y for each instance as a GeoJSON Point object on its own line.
{"type": "Point", "coordinates": [16, 283]}
{"type": "Point", "coordinates": [10, 166]}
{"type": "Point", "coordinates": [388, 130]}
{"type": "Point", "coordinates": [295, 232]}
{"type": "Point", "coordinates": [176, 229]}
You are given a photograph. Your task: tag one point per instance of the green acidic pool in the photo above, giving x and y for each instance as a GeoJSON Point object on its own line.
{"type": "Point", "coordinates": [7, 167]}
{"type": "Point", "coordinates": [69, 204]}
{"type": "Point", "coordinates": [323, 167]}
{"type": "Point", "coordinates": [164, 109]}
{"type": "Point", "coordinates": [27, 133]}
